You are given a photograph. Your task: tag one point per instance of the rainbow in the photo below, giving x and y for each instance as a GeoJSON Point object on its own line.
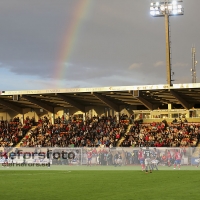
{"type": "Point", "coordinates": [80, 11]}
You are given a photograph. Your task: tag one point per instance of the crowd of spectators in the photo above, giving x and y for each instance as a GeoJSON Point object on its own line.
{"type": "Point", "coordinates": [97, 132]}
{"type": "Point", "coordinates": [92, 132]}
{"type": "Point", "coordinates": [13, 131]}
{"type": "Point", "coordinates": [162, 135]}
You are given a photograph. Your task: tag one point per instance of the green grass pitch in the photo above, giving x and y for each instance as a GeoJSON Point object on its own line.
{"type": "Point", "coordinates": [97, 183]}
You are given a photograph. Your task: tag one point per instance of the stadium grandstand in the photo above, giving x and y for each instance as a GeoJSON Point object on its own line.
{"type": "Point", "coordinates": [153, 115]}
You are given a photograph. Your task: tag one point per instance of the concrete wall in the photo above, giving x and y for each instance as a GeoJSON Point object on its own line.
{"type": "Point", "coordinates": [28, 113]}
{"type": "Point", "coordinates": [3, 116]}
{"type": "Point", "coordinates": [90, 112]}
{"type": "Point", "coordinates": [11, 114]}
{"type": "Point", "coordinates": [195, 120]}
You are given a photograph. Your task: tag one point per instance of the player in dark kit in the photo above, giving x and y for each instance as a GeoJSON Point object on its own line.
{"type": "Point", "coordinates": [147, 161]}
{"type": "Point", "coordinates": [154, 161]}
{"type": "Point", "coordinates": [49, 157]}
{"type": "Point", "coordinates": [169, 158]}
{"type": "Point", "coordinates": [12, 156]}
{"type": "Point", "coordinates": [116, 156]}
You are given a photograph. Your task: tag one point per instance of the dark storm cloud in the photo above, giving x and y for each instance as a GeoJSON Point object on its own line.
{"type": "Point", "coordinates": [117, 43]}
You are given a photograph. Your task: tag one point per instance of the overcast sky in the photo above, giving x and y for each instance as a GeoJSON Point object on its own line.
{"type": "Point", "coordinates": [92, 43]}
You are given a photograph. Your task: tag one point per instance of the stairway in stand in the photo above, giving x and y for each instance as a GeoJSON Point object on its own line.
{"type": "Point", "coordinates": [123, 137]}
{"type": "Point", "coordinates": [32, 128]}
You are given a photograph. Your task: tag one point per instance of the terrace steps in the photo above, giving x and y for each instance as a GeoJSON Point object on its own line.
{"type": "Point", "coordinates": [32, 128]}
{"type": "Point", "coordinates": [123, 137]}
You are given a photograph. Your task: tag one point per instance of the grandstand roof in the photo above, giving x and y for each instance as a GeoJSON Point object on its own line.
{"type": "Point", "coordinates": [142, 97]}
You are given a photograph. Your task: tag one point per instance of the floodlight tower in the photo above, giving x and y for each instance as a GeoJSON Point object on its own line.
{"type": "Point", "coordinates": [194, 64]}
{"type": "Point", "coordinates": [166, 9]}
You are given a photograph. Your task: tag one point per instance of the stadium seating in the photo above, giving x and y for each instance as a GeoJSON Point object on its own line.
{"type": "Point", "coordinates": [12, 132]}
{"type": "Point", "coordinates": [162, 135]}
{"type": "Point", "coordinates": [97, 131]}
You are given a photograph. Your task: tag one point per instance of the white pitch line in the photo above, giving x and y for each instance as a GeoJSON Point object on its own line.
{"type": "Point", "coordinates": [35, 174]}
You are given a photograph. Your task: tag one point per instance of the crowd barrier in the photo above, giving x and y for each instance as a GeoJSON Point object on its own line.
{"type": "Point", "coordinates": [95, 156]}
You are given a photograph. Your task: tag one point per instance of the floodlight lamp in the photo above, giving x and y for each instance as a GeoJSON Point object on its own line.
{"type": "Point", "coordinates": [179, 11]}
{"type": "Point", "coordinates": [162, 8]}
{"type": "Point", "coordinates": [157, 12]}
{"type": "Point", "coordinates": [169, 7]}
{"type": "Point", "coordinates": [175, 12]}
{"type": "Point", "coordinates": [152, 13]}
{"type": "Point", "coordinates": [174, 2]}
